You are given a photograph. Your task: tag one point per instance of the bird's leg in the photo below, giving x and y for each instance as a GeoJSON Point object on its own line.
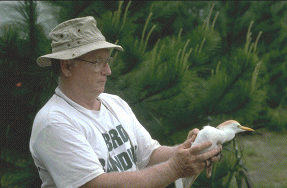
{"type": "Point", "coordinates": [209, 169]}
{"type": "Point", "coordinates": [220, 154]}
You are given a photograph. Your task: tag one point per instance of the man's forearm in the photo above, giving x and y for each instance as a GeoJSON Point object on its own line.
{"type": "Point", "coordinates": [160, 175]}
{"type": "Point", "coordinates": [180, 161]}
{"type": "Point", "coordinates": [161, 154]}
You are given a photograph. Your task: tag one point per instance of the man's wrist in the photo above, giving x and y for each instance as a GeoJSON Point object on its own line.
{"type": "Point", "coordinates": [175, 168]}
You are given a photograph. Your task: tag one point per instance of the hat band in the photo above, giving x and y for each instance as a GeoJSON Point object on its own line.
{"type": "Point", "coordinates": [61, 46]}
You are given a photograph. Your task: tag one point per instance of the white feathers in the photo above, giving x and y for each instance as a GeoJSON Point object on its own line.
{"type": "Point", "coordinates": [212, 134]}
{"type": "Point", "coordinates": [223, 133]}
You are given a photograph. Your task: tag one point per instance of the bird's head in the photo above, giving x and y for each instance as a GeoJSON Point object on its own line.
{"type": "Point", "coordinates": [234, 126]}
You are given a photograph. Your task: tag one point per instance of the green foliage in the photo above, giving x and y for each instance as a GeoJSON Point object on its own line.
{"type": "Point", "coordinates": [24, 90]}
{"type": "Point", "coordinates": [18, 170]}
{"type": "Point", "coordinates": [269, 17]}
{"type": "Point", "coordinates": [277, 120]}
{"type": "Point", "coordinates": [185, 64]}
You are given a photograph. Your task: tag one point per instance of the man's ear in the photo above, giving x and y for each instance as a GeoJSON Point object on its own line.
{"type": "Point", "coordinates": [66, 68]}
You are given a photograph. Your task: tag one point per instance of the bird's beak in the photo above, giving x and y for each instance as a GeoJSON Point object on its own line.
{"type": "Point", "coordinates": [246, 128]}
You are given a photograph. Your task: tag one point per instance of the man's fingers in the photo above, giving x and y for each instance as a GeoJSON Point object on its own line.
{"type": "Point", "coordinates": [218, 156]}
{"type": "Point", "coordinates": [187, 143]}
{"type": "Point", "coordinates": [192, 132]}
{"type": "Point", "coordinates": [215, 158]}
{"type": "Point", "coordinates": [199, 147]}
{"type": "Point", "coordinates": [209, 154]}
{"type": "Point", "coordinates": [193, 138]}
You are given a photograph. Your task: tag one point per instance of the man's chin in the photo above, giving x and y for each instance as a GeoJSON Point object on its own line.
{"type": "Point", "coordinates": [100, 89]}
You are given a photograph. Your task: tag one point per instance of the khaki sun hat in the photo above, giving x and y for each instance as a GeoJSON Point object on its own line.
{"type": "Point", "coordinates": [74, 38]}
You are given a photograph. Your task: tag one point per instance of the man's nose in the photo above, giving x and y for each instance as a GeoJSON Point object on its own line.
{"type": "Point", "coordinates": [107, 70]}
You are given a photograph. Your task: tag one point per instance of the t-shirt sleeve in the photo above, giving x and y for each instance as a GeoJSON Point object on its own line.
{"type": "Point", "coordinates": [146, 144]}
{"type": "Point", "coordinates": [67, 155]}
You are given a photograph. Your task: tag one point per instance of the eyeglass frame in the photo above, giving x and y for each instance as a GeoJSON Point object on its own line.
{"type": "Point", "coordinates": [102, 62]}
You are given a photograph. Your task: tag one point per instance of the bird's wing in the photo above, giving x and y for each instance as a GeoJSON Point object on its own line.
{"type": "Point", "coordinates": [185, 182]}
{"type": "Point", "coordinates": [208, 133]}
{"type": "Point", "coordinates": [178, 183]}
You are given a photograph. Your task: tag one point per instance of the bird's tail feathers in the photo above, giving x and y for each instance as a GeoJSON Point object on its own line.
{"type": "Point", "coordinates": [187, 182]}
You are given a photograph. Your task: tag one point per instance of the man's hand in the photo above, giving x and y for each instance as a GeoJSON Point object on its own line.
{"type": "Point", "coordinates": [192, 133]}
{"type": "Point", "coordinates": [188, 161]}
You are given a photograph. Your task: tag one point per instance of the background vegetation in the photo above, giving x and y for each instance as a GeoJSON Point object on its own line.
{"type": "Point", "coordinates": [185, 64]}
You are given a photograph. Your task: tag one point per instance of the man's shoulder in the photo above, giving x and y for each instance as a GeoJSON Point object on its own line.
{"type": "Point", "coordinates": [55, 109]}
{"type": "Point", "coordinates": [54, 103]}
{"type": "Point", "coordinates": [50, 112]}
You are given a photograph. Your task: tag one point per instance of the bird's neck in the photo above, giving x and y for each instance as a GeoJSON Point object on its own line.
{"type": "Point", "coordinates": [228, 135]}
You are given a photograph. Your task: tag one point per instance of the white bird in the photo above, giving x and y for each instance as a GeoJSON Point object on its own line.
{"type": "Point", "coordinates": [222, 133]}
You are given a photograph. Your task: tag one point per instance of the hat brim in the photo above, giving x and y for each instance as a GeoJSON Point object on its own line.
{"type": "Point", "coordinates": [72, 53]}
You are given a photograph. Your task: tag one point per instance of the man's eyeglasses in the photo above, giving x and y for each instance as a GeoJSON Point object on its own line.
{"type": "Point", "coordinates": [99, 63]}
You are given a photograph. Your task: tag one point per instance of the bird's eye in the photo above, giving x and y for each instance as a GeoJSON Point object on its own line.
{"type": "Point", "coordinates": [238, 126]}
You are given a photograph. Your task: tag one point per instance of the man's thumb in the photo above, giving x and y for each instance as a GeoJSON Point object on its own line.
{"type": "Point", "coordinates": [187, 143]}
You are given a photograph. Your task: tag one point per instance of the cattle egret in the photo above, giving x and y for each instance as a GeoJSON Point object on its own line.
{"type": "Point", "coordinates": [222, 133]}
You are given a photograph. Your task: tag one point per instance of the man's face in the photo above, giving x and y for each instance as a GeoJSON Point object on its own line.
{"type": "Point", "coordinates": [84, 75]}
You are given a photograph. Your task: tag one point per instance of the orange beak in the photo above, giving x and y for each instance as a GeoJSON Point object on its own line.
{"type": "Point", "coordinates": [246, 128]}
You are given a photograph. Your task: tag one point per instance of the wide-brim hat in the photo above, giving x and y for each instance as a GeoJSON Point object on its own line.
{"type": "Point", "coordinates": [74, 38]}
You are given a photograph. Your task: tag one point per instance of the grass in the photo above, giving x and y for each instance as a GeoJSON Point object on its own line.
{"type": "Point", "coordinates": [265, 158]}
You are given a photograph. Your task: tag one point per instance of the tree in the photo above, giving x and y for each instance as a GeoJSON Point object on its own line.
{"type": "Point", "coordinates": [268, 17]}
{"type": "Point", "coordinates": [24, 87]}
{"type": "Point", "coordinates": [172, 73]}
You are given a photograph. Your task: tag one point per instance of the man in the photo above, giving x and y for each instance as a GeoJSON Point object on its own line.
{"type": "Point", "coordinates": [83, 137]}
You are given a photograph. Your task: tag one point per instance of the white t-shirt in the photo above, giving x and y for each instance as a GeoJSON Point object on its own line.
{"type": "Point", "coordinates": [72, 145]}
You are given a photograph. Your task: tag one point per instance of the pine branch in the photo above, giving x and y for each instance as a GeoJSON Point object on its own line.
{"type": "Point", "coordinates": [230, 86]}
{"type": "Point", "coordinates": [150, 94]}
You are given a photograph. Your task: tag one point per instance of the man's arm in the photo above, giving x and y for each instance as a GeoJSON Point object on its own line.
{"type": "Point", "coordinates": [155, 176]}
{"type": "Point", "coordinates": [163, 153]}
{"type": "Point", "coordinates": [184, 162]}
